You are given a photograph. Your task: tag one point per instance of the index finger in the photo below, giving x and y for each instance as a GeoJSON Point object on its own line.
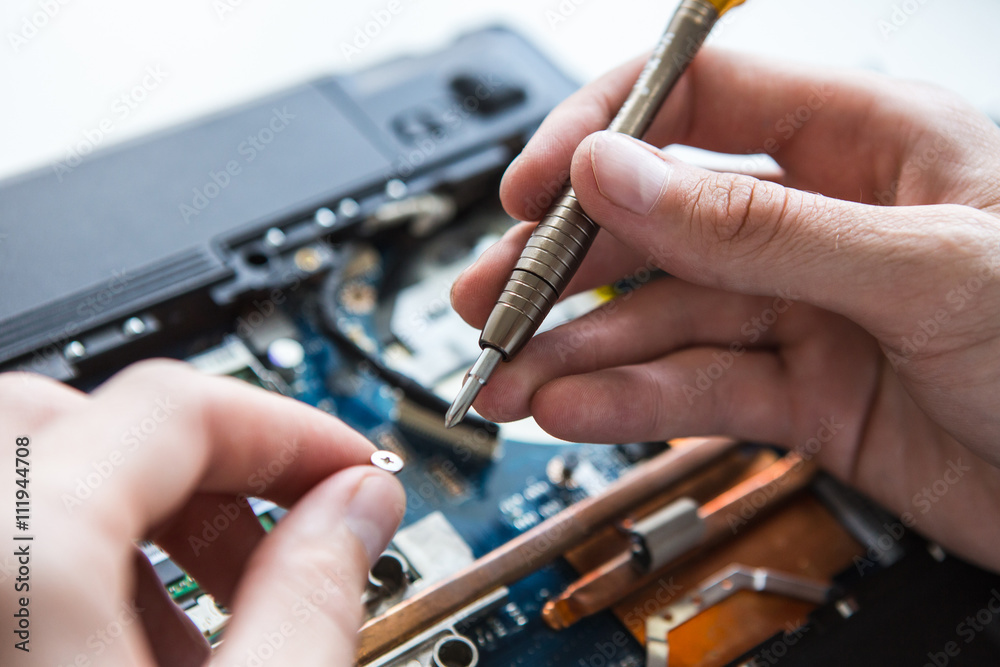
{"type": "Point", "coordinates": [161, 431]}
{"type": "Point", "coordinates": [836, 132]}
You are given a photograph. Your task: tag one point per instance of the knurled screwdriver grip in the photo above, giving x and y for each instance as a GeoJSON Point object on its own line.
{"type": "Point", "coordinates": [560, 242]}
{"type": "Point", "coordinates": [564, 235]}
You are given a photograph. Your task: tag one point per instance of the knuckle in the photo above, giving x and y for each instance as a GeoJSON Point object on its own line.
{"type": "Point", "coordinates": [744, 213]}
{"type": "Point", "coordinates": [156, 371]}
{"type": "Point", "coordinates": [149, 383]}
{"type": "Point", "coordinates": [26, 396]}
{"type": "Point", "coordinates": [16, 383]}
{"type": "Point", "coordinates": [655, 417]}
{"type": "Point", "coordinates": [931, 97]}
{"type": "Point", "coordinates": [750, 213]}
{"type": "Point", "coordinates": [939, 118]}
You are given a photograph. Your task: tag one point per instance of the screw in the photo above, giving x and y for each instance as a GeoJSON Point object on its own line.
{"type": "Point", "coordinates": [388, 461]}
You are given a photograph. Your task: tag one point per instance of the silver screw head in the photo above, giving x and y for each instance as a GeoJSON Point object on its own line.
{"type": "Point", "coordinates": [388, 461]}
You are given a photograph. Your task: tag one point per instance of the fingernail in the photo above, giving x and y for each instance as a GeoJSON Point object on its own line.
{"type": "Point", "coordinates": [627, 174]}
{"type": "Point", "coordinates": [369, 517]}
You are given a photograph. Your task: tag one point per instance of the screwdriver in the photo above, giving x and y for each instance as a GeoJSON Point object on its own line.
{"type": "Point", "coordinates": [561, 240]}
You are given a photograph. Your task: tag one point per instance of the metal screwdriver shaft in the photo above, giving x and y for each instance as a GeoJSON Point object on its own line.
{"type": "Point", "coordinates": [474, 381]}
{"type": "Point", "coordinates": [561, 240]}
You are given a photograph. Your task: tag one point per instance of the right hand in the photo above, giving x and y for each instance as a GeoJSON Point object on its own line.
{"type": "Point", "coordinates": [892, 359]}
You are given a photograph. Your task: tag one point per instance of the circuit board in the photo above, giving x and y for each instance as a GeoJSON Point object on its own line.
{"type": "Point", "coordinates": [486, 508]}
{"type": "Point", "coordinates": [504, 490]}
{"type": "Point", "coordinates": [338, 295]}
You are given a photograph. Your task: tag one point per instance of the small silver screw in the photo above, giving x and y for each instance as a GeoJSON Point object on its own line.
{"type": "Point", "coordinates": [348, 208]}
{"type": "Point", "coordinates": [274, 237]}
{"type": "Point", "coordinates": [74, 350]}
{"type": "Point", "coordinates": [388, 461]}
{"type": "Point", "coordinates": [133, 327]}
{"type": "Point", "coordinates": [395, 188]}
{"type": "Point", "coordinates": [325, 217]}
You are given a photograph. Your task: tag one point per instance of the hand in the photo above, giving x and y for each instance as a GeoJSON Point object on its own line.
{"type": "Point", "coordinates": [865, 334]}
{"type": "Point", "coordinates": [154, 453]}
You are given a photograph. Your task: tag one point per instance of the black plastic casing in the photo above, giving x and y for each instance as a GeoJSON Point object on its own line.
{"type": "Point", "coordinates": [170, 227]}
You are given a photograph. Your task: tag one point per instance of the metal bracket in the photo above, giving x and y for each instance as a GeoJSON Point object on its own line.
{"type": "Point", "coordinates": [715, 589]}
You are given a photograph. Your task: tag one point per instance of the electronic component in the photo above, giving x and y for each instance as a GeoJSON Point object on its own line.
{"type": "Point", "coordinates": [286, 355]}
{"type": "Point", "coordinates": [542, 544]}
{"type": "Point", "coordinates": [340, 300]}
{"type": "Point", "coordinates": [388, 581]}
{"type": "Point", "coordinates": [667, 533]}
{"type": "Point", "coordinates": [717, 588]}
{"type": "Point", "coordinates": [388, 461]}
{"type": "Point", "coordinates": [168, 572]}
{"type": "Point", "coordinates": [207, 617]}
{"type": "Point", "coordinates": [442, 644]}
{"type": "Point", "coordinates": [233, 358]}
{"type": "Point", "coordinates": [671, 534]}
{"type": "Point", "coordinates": [175, 243]}
{"type": "Point", "coordinates": [390, 573]}
{"type": "Point", "coordinates": [433, 548]}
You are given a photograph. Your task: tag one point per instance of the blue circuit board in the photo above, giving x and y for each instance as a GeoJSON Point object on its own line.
{"type": "Point", "coordinates": [487, 507]}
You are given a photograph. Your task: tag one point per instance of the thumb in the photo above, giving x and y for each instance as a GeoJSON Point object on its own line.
{"type": "Point", "coordinates": [745, 235]}
{"type": "Point", "coordinates": [299, 601]}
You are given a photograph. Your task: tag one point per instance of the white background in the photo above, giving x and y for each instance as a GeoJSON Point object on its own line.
{"type": "Point", "coordinates": [58, 82]}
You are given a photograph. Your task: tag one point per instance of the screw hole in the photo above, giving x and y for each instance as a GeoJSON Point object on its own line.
{"type": "Point", "coordinates": [257, 259]}
{"type": "Point", "coordinates": [455, 652]}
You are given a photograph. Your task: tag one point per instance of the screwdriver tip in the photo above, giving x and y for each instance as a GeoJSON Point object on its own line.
{"type": "Point", "coordinates": [460, 406]}
{"type": "Point", "coordinates": [474, 381]}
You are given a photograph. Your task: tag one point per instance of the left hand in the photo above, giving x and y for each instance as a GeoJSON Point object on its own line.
{"type": "Point", "coordinates": [163, 452]}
